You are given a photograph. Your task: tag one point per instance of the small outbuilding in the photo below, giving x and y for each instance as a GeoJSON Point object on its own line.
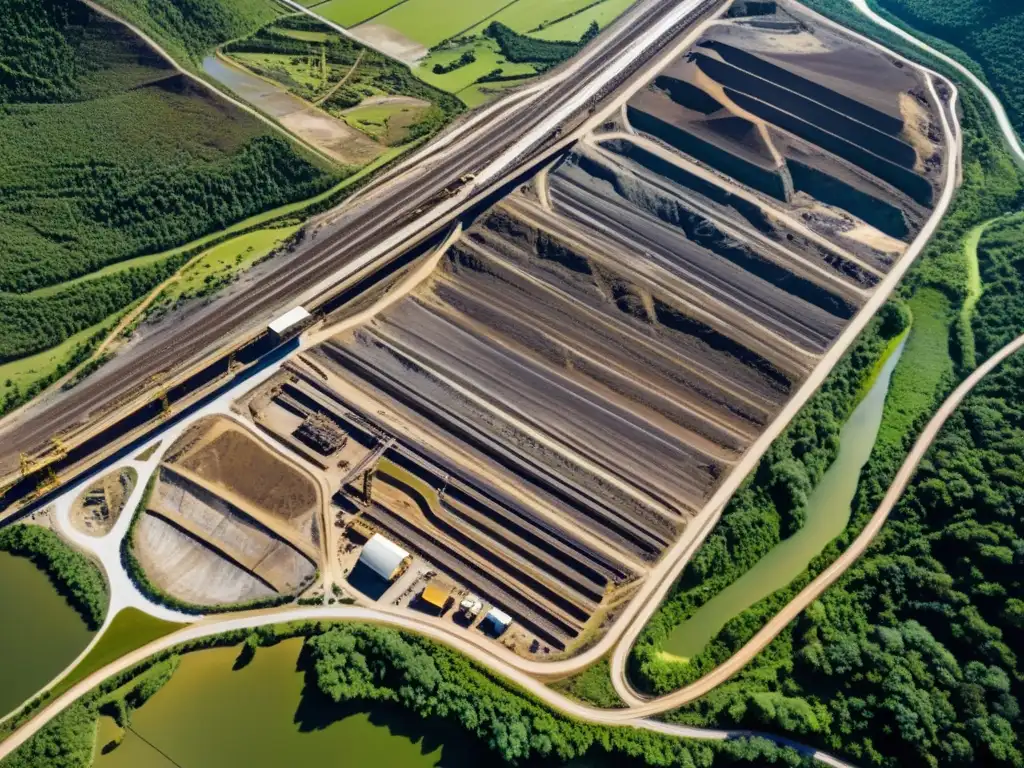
{"type": "Point", "coordinates": [471, 607]}
{"type": "Point", "coordinates": [290, 323]}
{"type": "Point", "coordinates": [437, 595]}
{"type": "Point", "coordinates": [496, 622]}
{"type": "Point", "coordinates": [384, 557]}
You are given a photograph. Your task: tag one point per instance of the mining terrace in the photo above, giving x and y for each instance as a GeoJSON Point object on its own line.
{"type": "Point", "coordinates": [541, 407]}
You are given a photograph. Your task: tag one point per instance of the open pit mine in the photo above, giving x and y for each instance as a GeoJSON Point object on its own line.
{"type": "Point", "coordinates": [540, 408]}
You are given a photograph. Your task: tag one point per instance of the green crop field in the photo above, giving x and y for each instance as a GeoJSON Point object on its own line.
{"type": "Point", "coordinates": [430, 22]}
{"type": "Point", "coordinates": [467, 60]}
{"type": "Point", "coordinates": [571, 29]}
{"type": "Point", "coordinates": [348, 13]}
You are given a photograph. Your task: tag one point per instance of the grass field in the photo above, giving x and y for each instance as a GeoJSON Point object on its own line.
{"type": "Point", "coordinates": [488, 59]}
{"type": "Point", "coordinates": [429, 22]}
{"type": "Point", "coordinates": [348, 13]}
{"type": "Point", "coordinates": [130, 629]}
{"type": "Point", "coordinates": [221, 264]}
{"type": "Point", "coordinates": [25, 374]}
{"type": "Point", "coordinates": [452, 32]}
{"type": "Point", "coordinates": [572, 28]}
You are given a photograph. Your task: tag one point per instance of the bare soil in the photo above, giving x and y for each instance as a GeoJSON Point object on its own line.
{"type": "Point", "coordinates": [97, 509]}
{"type": "Point", "coordinates": [224, 455]}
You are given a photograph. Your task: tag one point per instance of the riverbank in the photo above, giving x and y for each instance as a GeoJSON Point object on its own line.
{"type": "Point", "coordinates": [42, 633]}
{"type": "Point", "coordinates": [827, 513]}
{"type": "Point", "coordinates": [360, 665]}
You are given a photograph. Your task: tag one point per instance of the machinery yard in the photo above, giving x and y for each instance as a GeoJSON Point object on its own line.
{"type": "Point", "coordinates": [541, 417]}
{"type": "Point", "coordinates": [536, 411]}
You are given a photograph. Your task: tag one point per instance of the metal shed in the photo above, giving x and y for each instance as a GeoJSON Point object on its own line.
{"type": "Point", "coordinates": [383, 557]}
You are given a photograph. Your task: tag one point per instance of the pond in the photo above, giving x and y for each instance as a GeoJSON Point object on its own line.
{"type": "Point", "coordinates": [211, 715]}
{"type": "Point", "coordinates": [40, 634]}
{"type": "Point", "coordinates": [828, 512]}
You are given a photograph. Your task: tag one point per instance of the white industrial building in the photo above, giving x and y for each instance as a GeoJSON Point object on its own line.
{"type": "Point", "coordinates": [383, 557]}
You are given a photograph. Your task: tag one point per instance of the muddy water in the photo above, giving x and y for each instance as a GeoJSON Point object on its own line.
{"type": "Point", "coordinates": [267, 97]}
{"type": "Point", "coordinates": [211, 716]}
{"type": "Point", "coordinates": [828, 512]}
{"type": "Point", "coordinates": [40, 634]}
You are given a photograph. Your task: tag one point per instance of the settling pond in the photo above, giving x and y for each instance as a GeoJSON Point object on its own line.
{"type": "Point", "coordinates": [210, 715]}
{"type": "Point", "coordinates": [828, 512]}
{"type": "Point", "coordinates": [40, 633]}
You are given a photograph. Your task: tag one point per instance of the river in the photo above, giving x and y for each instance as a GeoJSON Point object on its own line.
{"type": "Point", "coordinates": [210, 716]}
{"type": "Point", "coordinates": [40, 634]}
{"type": "Point", "coordinates": [828, 512]}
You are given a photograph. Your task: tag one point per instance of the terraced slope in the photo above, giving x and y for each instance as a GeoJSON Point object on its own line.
{"type": "Point", "coordinates": [807, 118]}
{"type": "Point", "coordinates": [600, 349]}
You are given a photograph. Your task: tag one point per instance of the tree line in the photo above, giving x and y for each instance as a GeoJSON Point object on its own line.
{"type": "Point", "coordinates": [71, 572]}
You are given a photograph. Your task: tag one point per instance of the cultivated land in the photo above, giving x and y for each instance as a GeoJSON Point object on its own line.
{"type": "Point", "coordinates": [353, 102]}
{"type": "Point", "coordinates": [449, 46]}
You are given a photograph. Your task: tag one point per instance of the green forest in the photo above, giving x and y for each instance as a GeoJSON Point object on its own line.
{"type": "Point", "coordinates": [991, 32]}
{"type": "Point", "coordinates": [767, 508]}
{"type": "Point", "coordinates": [107, 154]}
{"type": "Point", "coordinates": [190, 29]}
{"type": "Point", "coordinates": [370, 667]}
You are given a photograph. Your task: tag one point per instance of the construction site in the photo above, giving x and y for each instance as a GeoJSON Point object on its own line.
{"type": "Point", "coordinates": [227, 521]}
{"type": "Point", "coordinates": [533, 413]}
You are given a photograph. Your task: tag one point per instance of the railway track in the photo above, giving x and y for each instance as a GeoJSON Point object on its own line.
{"type": "Point", "coordinates": [367, 225]}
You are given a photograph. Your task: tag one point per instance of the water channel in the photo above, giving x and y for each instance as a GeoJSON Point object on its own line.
{"type": "Point", "coordinates": [828, 512]}
{"type": "Point", "coordinates": [210, 715]}
{"type": "Point", "coordinates": [262, 94]}
{"type": "Point", "coordinates": [40, 634]}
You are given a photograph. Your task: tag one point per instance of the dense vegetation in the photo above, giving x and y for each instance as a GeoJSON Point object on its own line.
{"type": "Point", "coordinates": [195, 27]}
{"type": "Point", "coordinates": [367, 663]}
{"type": "Point", "coordinates": [107, 154]}
{"type": "Point", "coordinates": [67, 742]}
{"type": "Point", "coordinates": [990, 32]}
{"type": "Point", "coordinates": [1000, 312]}
{"type": "Point", "coordinates": [372, 666]}
{"type": "Point", "coordinates": [71, 572]}
{"type": "Point", "coordinates": [523, 49]}
{"type": "Point", "coordinates": [911, 659]}
{"type": "Point", "coordinates": [290, 59]}
{"type": "Point", "coordinates": [32, 324]}
{"type": "Point", "coordinates": [592, 686]}
{"type": "Point", "coordinates": [767, 508]}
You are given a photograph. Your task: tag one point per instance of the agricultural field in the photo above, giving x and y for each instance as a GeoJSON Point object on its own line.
{"type": "Point", "coordinates": [368, 100]}
{"type": "Point", "coordinates": [453, 46]}
{"type": "Point", "coordinates": [107, 155]}
{"type": "Point", "coordinates": [227, 522]}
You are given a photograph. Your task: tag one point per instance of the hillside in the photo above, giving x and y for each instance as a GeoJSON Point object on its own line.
{"type": "Point", "coordinates": [196, 27]}
{"type": "Point", "coordinates": [107, 154]}
{"type": "Point", "coordinates": [990, 32]}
